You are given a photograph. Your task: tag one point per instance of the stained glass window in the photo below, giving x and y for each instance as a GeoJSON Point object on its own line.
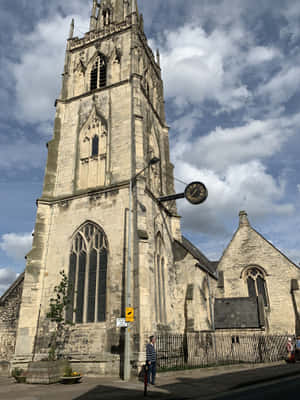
{"type": "Point", "coordinates": [94, 76]}
{"type": "Point", "coordinates": [87, 275]}
{"type": "Point", "coordinates": [257, 284]}
{"type": "Point", "coordinates": [102, 285]}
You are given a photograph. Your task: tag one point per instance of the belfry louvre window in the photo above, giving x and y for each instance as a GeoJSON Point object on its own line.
{"type": "Point", "coordinates": [257, 284]}
{"type": "Point", "coordinates": [95, 145]}
{"type": "Point", "coordinates": [98, 73]}
{"type": "Point", "coordinates": [106, 17]}
{"type": "Point", "coordinates": [87, 275]}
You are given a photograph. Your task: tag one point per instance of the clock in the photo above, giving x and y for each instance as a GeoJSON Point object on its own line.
{"type": "Point", "coordinates": [196, 193]}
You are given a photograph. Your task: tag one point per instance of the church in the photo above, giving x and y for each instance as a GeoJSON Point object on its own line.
{"type": "Point", "coordinates": [99, 213]}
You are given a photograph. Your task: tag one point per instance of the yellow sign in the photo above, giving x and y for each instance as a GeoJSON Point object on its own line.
{"type": "Point", "coordinates": [129, 316]}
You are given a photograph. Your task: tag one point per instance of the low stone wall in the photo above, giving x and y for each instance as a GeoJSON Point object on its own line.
{"type": "Point", "coordinates": [46, 372]}
{"type": "Point", "coordinates": [4, 368]}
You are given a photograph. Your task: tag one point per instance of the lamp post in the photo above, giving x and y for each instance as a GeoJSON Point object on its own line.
{"type": "Point", "coordinates": [153, 161]}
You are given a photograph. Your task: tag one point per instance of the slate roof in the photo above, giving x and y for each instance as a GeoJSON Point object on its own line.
{"type": "Point", "coordinates": [17, 282]}
{"type": "Point", "coordinates": [204, 262]}
{"type": "Point", "coordinates": [237, 313]}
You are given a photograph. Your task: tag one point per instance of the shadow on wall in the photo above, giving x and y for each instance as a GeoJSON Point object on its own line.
{"type": "Point", "coordinates": [297, 319]}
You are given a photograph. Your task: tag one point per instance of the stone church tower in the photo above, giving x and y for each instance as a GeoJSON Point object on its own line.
{"type": "Point", "coordinates": [109, 123]}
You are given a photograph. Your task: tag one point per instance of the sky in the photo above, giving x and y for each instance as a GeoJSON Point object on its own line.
{"type": "Point", "coordinates": [231, 71]}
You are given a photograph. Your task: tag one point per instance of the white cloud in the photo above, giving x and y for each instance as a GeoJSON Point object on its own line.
{"type": "Point", "coordinates": [261, 54]}
{"type": "Point", "coordinates": [7, 277]}
{"type": "Point", "coordinates": [199, 66]}
{"type": "Point", "coordinates": [16, 245]}
{"type": "Point", "coordinates": [41, 64]}
{"type": "Point", "coordinates": [283, 85]}
{"type": "Point", "coordinates": [298, 187]}
{"type": "Point", "coordinates": [222, 148]}
{"type": "Point", "coordinates": [245, 186]}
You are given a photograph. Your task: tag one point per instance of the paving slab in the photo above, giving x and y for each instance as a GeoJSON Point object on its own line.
{"type": "Point", "coordinates": [177, 385]}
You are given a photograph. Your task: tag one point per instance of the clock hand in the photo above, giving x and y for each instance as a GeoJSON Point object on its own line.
{"type": "Point", "coordinates": [195, 192]}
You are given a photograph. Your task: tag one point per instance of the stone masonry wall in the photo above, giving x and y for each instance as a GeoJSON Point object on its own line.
{"type": "Point", "coordinates": [191, 307]}
{"type": "Point", "coordinates": [9, 314]}
{"type": "Point", "coordinates": [249, 248]}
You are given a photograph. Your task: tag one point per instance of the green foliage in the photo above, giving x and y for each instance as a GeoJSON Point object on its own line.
{"type": "Point", "coordinates": [17, 372]}
{"type": "Point", "coordinates": [59, 303]}
{"type": "Point", "coordinates": [68, 371]}
{"type": "Point", "coordinates": [56, 314]}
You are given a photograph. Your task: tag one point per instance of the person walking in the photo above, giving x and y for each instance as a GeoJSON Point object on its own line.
{"type": "Point", "coordinates": [290, 351]}
{"type": "Point", "coordinates": [151, 360]}
{"type": "Point", "coordinates": [297, 349]}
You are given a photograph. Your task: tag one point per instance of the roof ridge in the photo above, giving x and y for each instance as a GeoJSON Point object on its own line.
{"type": "Point", "coordinates": [12, 287]}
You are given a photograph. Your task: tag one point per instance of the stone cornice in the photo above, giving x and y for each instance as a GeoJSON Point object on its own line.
{"type": "Point", "coordinates": [90, 193]}
{"type": "Point", "coordinates": [90, 93]}
{"type": "Point", "coordinates": [94, 36]}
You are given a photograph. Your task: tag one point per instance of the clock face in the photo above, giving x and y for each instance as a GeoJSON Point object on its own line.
{"type": "Point", "coordinates": [196, 193]}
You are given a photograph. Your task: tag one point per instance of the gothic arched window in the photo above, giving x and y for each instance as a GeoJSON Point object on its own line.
{"type": "Point", "coordinates": [87, 275]}
{"type": "Point", "coordinates": [98, 73]}
{"type": "Point", "coordinates": [257, 284]}
{"type": "Point", "coordinates": [154, 170]}
{"type": "Point", "coordinates": [106, 17]}
{"type": "Point", "coordinates": [95, 145]}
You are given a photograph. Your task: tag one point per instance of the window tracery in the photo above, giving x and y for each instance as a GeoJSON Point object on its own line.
{"type": "Point", "coordinates": [256, 284]}
{"type": "Point", "coordinates": [92, 153]}
{"type": "Point", "coordinates": [98, 75]}
{"type": "Point", "coordinates": [87, 275]}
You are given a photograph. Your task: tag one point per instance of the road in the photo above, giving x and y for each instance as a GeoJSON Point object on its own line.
{"type": "Point", "coordinates": [207, 384]}
{"type": "Point", "coordinates": [284, 389]}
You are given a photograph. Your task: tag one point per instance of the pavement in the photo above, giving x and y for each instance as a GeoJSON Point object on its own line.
{"type": "Point", "coordinates": [204, 383]}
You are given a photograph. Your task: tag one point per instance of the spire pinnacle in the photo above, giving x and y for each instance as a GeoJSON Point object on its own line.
{"type": "Point", "coordinates": [93, 20]}
{"type": "Point", "coordinates": [71, 33]}
{"type": "Point", "coordinates": [134, 7]}
{"type": "Point", "coordinates": [158, 57]}
{"type": "Point", "coordinates": [243, 219]}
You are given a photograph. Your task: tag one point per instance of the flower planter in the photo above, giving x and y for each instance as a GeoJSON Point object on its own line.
{"type": "Point", "coordinates": [46, 372]}
{"type": "Point", "coordinates": [69, 380]}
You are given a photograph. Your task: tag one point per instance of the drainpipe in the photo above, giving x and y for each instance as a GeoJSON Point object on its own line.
{"type": "Point", "coordinates": [210, 303]}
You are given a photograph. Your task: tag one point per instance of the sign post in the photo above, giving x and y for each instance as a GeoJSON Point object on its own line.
{"type": "Point", "coordinates": [129, 314]}
{"type": "Point", "coordinates": [121, 323]}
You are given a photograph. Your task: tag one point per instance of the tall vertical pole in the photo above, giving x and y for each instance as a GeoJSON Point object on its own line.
{"type": "Point", "coordinates": [210, 303]}
{"type": "Point", "coordinates": [128, 290]}
{"type": "Point", "coordinates": [127, 350]}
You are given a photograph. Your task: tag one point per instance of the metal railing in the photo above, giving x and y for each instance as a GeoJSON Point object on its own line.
{"type": "Point", "coordinates": [196, 350]}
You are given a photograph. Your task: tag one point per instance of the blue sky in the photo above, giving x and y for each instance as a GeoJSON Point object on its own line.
{"type": "Point", "coordinates": [231, 71]}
